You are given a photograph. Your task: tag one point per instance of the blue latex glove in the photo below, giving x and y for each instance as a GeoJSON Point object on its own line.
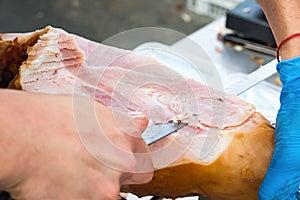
{"type": "Point", "coordinates": [283, 176]}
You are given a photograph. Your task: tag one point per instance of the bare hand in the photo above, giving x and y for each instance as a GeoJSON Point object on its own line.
{"type": "Point", "coordinates": [49, 154]}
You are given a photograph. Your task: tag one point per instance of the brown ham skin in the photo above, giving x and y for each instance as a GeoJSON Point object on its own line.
{"type": "Point", "coordinates": [235, 175]}
{"type": "Point", "coordinates": [13, 52]}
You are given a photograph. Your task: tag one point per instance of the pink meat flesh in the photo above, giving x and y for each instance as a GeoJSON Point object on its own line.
{"type": "Point", "coordinates": [64, 63]}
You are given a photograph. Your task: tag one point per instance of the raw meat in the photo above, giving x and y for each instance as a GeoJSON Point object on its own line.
{"type": "Point", "coordinates": [223, 153]}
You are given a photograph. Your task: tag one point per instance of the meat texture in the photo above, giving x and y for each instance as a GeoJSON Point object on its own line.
{"type": "Point", "coordinates": [224, 151]}
{"type": "Point", "coordinates": [13, 53]}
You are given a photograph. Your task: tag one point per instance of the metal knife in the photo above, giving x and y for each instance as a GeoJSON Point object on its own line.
{"type": "Point", "coordinates": [253, 78]}
{"type": "Point", "coordinates": [157, 131]}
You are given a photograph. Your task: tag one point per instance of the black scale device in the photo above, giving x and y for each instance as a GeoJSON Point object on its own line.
{"type": "Point", "coordinates": [250, 28]}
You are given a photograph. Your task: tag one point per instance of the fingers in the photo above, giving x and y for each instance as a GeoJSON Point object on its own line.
{"type": "Point", "coordinates": [95, 185]}
{"type": "Point", "coordinates": [107, 184]}
{"type": "Point", "coordinates": [142, 178]}
{"type": "Point", "coordinates": [143, 172]}
{"type": "Point", "coordinates": [280, 185]}
{"type": "Point", "coordinates": [122, 148]}
{"type": "Point", "coordinates": [141, 121]}
{"type": "Point", "coordinates": [143, 166]}
{"type": "Point", "coordinates": [130, 124]}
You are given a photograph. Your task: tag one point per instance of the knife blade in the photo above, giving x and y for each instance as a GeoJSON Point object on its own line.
{"type": "Point", "coordinates": [253, 78]}
{"type": "Point", "coordinates": [157, 131]}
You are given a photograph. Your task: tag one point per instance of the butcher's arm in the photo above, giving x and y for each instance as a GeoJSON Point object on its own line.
{"type": "Point", "coordinates": [282, 180]}
{"type": "Point", "coordinates": [284, 19]}
{"type": "Point", "coordinates": [51, 149]}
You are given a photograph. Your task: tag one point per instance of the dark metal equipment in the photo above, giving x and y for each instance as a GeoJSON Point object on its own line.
{"type": "Point", "coordinates": [250, 28]}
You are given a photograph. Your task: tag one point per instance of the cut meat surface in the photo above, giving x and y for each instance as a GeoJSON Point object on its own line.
{"type": "Point", "coordinates": [13, 53]}
{"type": "Point", "coordinates": [138, 82]}
{"type": "Point", "coordinates": [223, 152]}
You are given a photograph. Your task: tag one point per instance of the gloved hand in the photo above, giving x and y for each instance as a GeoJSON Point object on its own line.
{"type": "Point", "coordinates": [282, 180]}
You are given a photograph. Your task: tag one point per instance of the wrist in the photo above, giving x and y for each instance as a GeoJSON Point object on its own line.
{"type": "Point", "coordinates": [290, 49]}
{"type": "Point", "coordinates": [289, 71]}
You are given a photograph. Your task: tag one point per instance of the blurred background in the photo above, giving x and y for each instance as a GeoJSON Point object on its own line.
{"type": "Point", "coordinates": [100, 19]}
